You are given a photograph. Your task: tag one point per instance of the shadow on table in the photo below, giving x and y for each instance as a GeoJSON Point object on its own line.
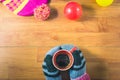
{"type": "Point", "coordinates": [116, 1]}
{"type": "Point", "coordinates": [96, 67]}
{"type": "Point", "coordinates": [53, 13]}
{"type": "Point", "coordinates": [88, 13]}
{"type": "Point", "coordinates": [49, 1]}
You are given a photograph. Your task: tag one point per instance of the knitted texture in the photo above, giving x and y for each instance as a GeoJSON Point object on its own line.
{"type": "Point", "coordinates": [14, 4]}
{"type": "Point", "coordinates": [83, 77]}
{"type": "Point", "coordinates": [23, 7]}
{"type": "Point", "coordinates": [49, 70]}
{"type": "Point", "coordinates": [42, 12]}
{"type": "Point", "coordinates": [76, 72]}
{"type": "Point", "coordinates": [2, 0]}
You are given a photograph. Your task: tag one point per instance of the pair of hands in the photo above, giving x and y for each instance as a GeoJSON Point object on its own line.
{"type": "Point", "coordinates": [77, 70]}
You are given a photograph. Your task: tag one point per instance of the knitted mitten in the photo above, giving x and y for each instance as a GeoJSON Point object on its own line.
{"type": "Point", "coordinates": [49, 70]}
{"type": "Point", "coordinates": [78, 70]}
{"type": "Point", "coordinates": [23, 7]}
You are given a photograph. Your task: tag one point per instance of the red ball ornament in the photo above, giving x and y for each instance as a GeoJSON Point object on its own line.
{"type": "Point", "coordinates": [73, 10]}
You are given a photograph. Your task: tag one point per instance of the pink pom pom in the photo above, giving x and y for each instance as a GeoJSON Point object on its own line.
{"type": "Point", "coordinates": [42, 12]}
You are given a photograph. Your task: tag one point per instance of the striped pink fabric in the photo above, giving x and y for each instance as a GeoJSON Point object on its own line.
{"type": "Point", "coordinates": [14, 4]}
{"type": "Point", "coordinates": [83, 77]}
{"type": "Point", "coordinates": [27, 8]}
{"type": "Point", "coordinates": [2, 0]}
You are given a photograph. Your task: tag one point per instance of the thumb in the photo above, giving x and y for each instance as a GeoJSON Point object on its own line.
{"type": "Point", "coordinates": [79, 65]}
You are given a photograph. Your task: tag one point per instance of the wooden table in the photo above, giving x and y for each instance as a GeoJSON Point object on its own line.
{"type": "Point", "coordinates": [24, 41]}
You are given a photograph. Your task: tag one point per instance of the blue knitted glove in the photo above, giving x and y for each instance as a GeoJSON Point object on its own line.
{"type": "Point", "coordinates": [49, 70]}
{"type": "Point", "coordinates": [78, 70]}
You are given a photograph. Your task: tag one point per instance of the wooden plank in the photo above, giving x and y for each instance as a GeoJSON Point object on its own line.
{"type": "Point", "coordinates": [24, 40]}
{"type": "Point", "coordinates": [49, 38]}
{"type": "Point", "coordinates": [94, 19]}
{"type": "Point", "coordinates": [24, 63]}
{"type": "Point", "coordinates": [19, 64]}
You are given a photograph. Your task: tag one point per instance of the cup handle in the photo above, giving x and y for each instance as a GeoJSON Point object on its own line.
{"type": "Point", "coordinates": [73, 49]}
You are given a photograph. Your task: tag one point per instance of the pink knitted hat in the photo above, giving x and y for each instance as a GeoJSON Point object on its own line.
{"type": "Point", "coordinates": [28, 7]}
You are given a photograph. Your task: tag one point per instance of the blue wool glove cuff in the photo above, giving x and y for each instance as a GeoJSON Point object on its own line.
{"type": "Point", "coordinates": [49, 70]}
{"type": "Point", "coordinates": [79, 67]}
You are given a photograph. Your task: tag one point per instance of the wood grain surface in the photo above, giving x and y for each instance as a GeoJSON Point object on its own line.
{"type": "Point", "coordinates": [24, 41]}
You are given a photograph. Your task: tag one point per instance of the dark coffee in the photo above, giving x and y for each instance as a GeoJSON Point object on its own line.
{"type": "Point", "coordinates": [62, 60]}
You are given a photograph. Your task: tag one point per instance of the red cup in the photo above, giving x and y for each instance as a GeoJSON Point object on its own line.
{"type": "Point", "coordinates": [63, 59]}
